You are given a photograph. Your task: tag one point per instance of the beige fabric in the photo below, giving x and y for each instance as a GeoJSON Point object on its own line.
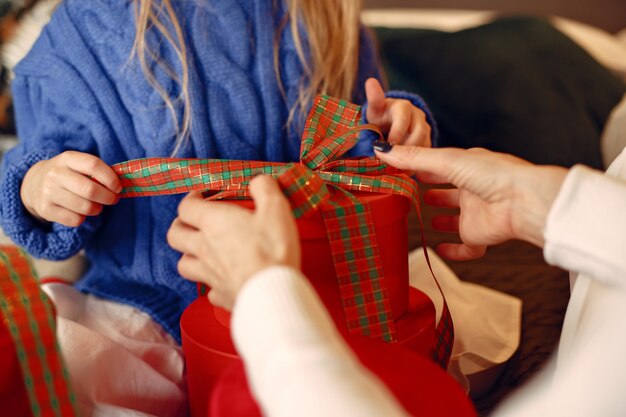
{"type": "Point", "coordinates": [487, 323]}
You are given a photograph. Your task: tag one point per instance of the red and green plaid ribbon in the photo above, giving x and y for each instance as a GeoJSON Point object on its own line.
{"type": "Point", "coordinates": [321, 180]}
{"type": "Point", "coordinates": [28, 314]}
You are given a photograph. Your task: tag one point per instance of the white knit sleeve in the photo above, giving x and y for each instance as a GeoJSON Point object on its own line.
{"type": "Point", "coordinates": [296, 361]}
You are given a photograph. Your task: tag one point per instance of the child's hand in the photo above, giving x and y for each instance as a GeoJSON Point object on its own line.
{"type": "Point", "coordinates": [403, 122]}
{"type": "Point", "coordinates": [69, 187]}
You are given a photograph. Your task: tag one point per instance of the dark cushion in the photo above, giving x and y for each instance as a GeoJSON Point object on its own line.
{"type": "Point", "coordinates": [516, 85]}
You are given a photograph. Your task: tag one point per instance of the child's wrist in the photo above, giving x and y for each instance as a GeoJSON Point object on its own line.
{"type": "Point", "coordinates": [25, 192]}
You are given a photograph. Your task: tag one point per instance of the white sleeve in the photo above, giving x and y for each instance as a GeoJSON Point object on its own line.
{"type": "Point", "coordinates": [296, 361]}
{"type": "Point", "coordinates": [586, 227]}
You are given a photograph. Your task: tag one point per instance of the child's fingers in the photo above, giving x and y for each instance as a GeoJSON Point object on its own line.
{"type": "Point", "coordinates": [84, 187]}
{"type": "Point", "coordinates": [401, 114]}
{"type": "Point", "coordinates": [376, 104]}
{"type": "Point", "coordinates": [64, 216]}
{"type": "Point", "coordinates": [95, 168]}
{"type": "Point", "coordinates": [75, 203]}
{"type": "Point", "coordinates": [442, 198]}
{"type": "Point", "coordinates": [419, 134]}
{"type": "Point", "coordinates": [64, 207]}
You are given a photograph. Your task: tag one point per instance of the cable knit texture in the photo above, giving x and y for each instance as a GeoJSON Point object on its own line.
{"type": "Point", "coordinates": [78, 90]}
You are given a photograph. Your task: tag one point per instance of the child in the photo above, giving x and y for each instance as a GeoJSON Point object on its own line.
{"type": "Point", "coordinates": [113, 80]}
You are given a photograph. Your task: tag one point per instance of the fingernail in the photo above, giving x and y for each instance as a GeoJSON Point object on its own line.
{"type": "Point", "coordinates": [382, 146]}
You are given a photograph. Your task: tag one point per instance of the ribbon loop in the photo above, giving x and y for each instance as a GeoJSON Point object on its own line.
{"type": "Point", "coordinates": [330, 131]}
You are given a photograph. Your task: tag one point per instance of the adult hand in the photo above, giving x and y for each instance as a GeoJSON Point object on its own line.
{"type": "Point", "coordinates": [501, 197]}
{"type": "Point", "coordinates": [69, 187]}
{"type": "Point", "coordinates": [399, 119]}
{"type": "Point", "coordinates": [224, 245]}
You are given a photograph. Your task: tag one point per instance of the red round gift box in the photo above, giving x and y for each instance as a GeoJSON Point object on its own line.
{"type": "Point", "coordinates": [419, 385]}
{"type": "Point", "coordinates": [205, 334]}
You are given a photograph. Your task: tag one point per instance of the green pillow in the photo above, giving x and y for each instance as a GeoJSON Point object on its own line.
{"type": "Point", "coordinates": [516, 85]}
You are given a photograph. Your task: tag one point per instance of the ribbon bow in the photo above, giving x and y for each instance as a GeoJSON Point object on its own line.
{"type": "Point", "coordinates": [320, 181]}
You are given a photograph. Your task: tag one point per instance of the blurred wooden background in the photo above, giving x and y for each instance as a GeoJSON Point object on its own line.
{"type": "Point", "coordinates": [607, 14]}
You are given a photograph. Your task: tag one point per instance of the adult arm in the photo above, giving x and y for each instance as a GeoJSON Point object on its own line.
{"type": "Point", "coordinates": [296, 361]}
{"type": "Point", "coordinates": [501, 197]}
{"type": "Point", "coordinates": [584, 233]}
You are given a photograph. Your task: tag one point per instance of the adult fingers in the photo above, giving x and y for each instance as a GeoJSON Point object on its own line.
{"type": "Point", "coordinates": [442, 198]}
{"type": "Point", "coordinates": [218, 299]}
{"type": "Point", "coordinates": [460, 251]}
{"type": "Point", "coordinates": [269, 201]}
{"type": "Point", "coordinates": [376, 104]}
{"type": "Point", "coordinates": [184, 238]}
{"type": "Point", "coordinates": [192, 268]}
{"type": "Point", "coordinates": [93, 167]}
{"type": "Point", "coordinates": [419, 159]}
{"type": "Point", "coordinates": [429, 178]}
{"type": "Point", "coordinates": [274, 210]}
{"type": "Point", "coordinates": [188, 240]}
{"type": "Point", "coordinates": [192, 209]}
{"type": "Point", "coordinates": [444, 223]}
{"type": "Point", "coordinates": [197, 212]}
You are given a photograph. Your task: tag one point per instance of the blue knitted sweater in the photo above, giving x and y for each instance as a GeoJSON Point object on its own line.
{"type": "Point", "coordinates": [78, 90]}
